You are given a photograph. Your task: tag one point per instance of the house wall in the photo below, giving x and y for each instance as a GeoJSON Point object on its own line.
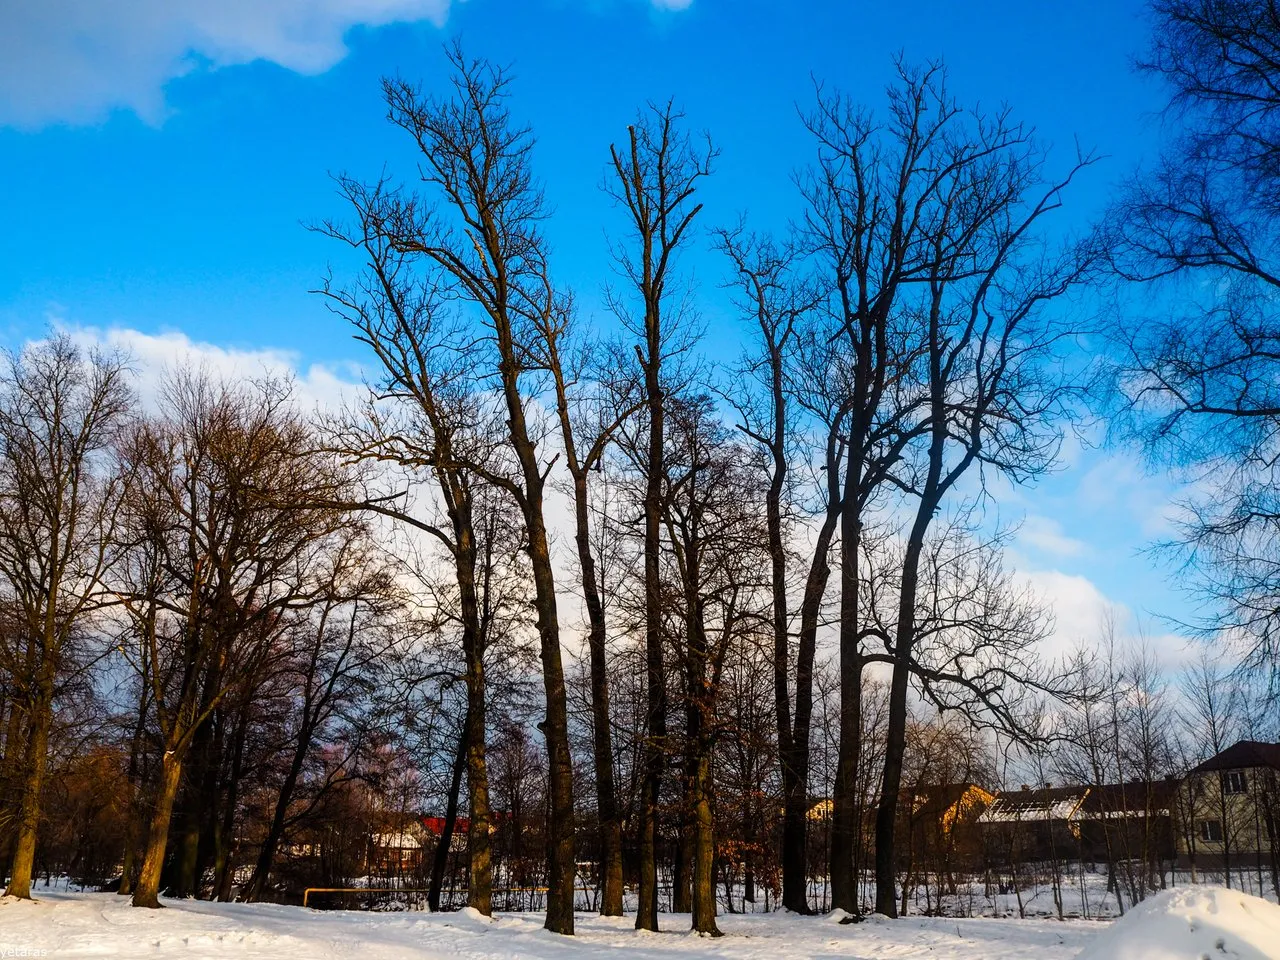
{"type": "Point", "coordinates": [1241, 822]}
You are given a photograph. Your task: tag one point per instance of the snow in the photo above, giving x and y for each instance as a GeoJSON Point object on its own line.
{"type": "Point", "coordinates": [104, 925]}
{"type": "Point", "coordinates": [1194, 923]}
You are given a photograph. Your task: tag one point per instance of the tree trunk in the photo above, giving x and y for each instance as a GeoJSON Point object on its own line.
{"type": "Point", "coordinates": [896, 735]}
{"type": "Point", "coordinates": [682, 873]}
{"type": "Point", "coordinates": [561, 863]}
{"type": "Point", "coordinates": [656, 693]}
{"type": "Point", "coordinates": [704, 847]}
{"type": "Point", "coordinates": [129, 866]}
{"type": "Point", "coordinates": [699, 825]}
{"type": "Point", "coordinates": [479, 854]}
{"type": "Point", "coordinates": [259, 881]}
{"type": "Point", "coordinates": [147, 892]}
{"type": "Point", "coordinates": [224, 860]}
{"type": "Point", "coordinates": [795, 760]}
{"type": "Point", "coordinates": [440, 859]}
{"type": "Point", "coordinates": [37, 760]}
{"type": "Point", "coordinates": [602, 733]}
{"type": "Point", "coordinates": [845, 802]}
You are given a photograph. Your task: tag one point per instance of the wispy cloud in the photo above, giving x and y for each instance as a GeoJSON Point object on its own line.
{"type": "Point", "coordinates": [74, 61]}
{"type": "Point", "coordinates": [1047, 536]}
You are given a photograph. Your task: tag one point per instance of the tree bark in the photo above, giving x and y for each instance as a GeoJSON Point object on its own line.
{"type": "Point", "coordinates": [37, 760]}
{"type": "Point", "coordinates": [147, 892]}
{"type": "Point", "coordinates": [896, 735]}
{"type": "Point", "coordinates": [796, 753]}
{"type": "Point", "coordinates": [479, 854]}
{"type": "Point", "coordinates": [440, 859]}
{"type": "Point", "coordinates": [602, 733]}
{"type": "Point", "coordinates": [845, 802]}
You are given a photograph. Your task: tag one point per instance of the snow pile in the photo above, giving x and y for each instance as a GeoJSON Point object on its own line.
{"type": "Point", "coordinates": [1194, 923]}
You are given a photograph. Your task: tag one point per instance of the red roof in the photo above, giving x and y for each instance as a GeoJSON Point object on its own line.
{"type": "Point", "coordinates": [435, 825]}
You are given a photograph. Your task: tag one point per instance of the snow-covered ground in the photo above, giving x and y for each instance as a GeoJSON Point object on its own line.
{"type": "Point", "coordinates": [1190, 923]}
{"type": "Point", "coordinates": [104, 925]}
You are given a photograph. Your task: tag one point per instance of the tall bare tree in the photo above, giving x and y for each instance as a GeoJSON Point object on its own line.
{"type": "Point", "coordinates": [986, 349]}
{"type": "Point", "coordinates": [424, 414]}
{"type": "Point", "coordinates": [794, 412]}
{"type": "Point", "coordinates": [485, 239]}
{"type": "Point", "coordinates": [654, 178]}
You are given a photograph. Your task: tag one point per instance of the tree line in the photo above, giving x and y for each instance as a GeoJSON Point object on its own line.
{"type": "Point", "coordinates": [256, 619]}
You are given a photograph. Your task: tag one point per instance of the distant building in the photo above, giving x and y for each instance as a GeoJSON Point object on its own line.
{"type": "Point", "coordinates": [937, 825]}
{"type": "Point", "coordinates": [1230, 811]}
{"type": "Point", "coordinates": [1033, 824]}
{"type": "Point", "coordinates": [1130, 821]}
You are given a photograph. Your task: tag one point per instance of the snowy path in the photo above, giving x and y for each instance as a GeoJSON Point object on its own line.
{"type": "Point", "coordinates": [103, 925]}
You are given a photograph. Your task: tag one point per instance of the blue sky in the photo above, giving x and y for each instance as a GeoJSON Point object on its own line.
{"type": "Point", "coordinates": [158, 161]}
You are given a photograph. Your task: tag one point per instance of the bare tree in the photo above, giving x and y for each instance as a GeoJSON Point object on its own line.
{"type": "Point", "coordinates": [785, 361]}
{"type": "Point", "coordinates": [654, 178]}
{"type": "Point", "coordinates": [712, 523]}
{"type": "Point", "coordinates": [60, 413]}
{"type": "Point", "coordinates": [220, 551]}
{"type": "Point", "coordinates": [424, 414]}
{"type": "Point", "coordinates": [485, 240]}
{"type": "Point", "coordinates": [1200, 231]}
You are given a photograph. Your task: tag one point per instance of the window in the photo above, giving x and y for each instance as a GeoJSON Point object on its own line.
{"type": "Point", "coordinates": [1233, 781]}
{"type": "Point", "coordinates": [1211, 831]}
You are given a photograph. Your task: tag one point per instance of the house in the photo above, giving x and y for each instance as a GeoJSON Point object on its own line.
{"type": "Point", "coordinates": [1129, 821]}
{"type": "Point", "coordinates": [1033, 824]}
{"type": "Point", "coordinates": [394, 853]}
{"type": "Point", "coordinates": [1103, 822]}
{"type": "Point", "coordinates": [939, 824]}
{"type": "Point", "coordinates": [434, 827]}
{"type": "Point", "coordinates": [1230, 810]}
{"type": "Point", "coordinates": [948, 804]}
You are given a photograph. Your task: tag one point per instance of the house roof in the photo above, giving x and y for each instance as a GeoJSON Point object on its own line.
{"type": "Point", "coordinates": [435, 825]}
{"type": "Point", "coordinates": [1046, 803]}
{"type": "Point", "coordinates": [937, 798]}
{"type": "Point", "coordinates": [1136, 798]}
{"type": "Point", "coordinates": [1243, 755]}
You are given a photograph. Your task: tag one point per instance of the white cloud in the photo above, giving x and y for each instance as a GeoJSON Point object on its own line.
{"type": "Point", "coordinates": [1046, 535]}
{"type": "Point", "coordinates": [1083, 614]}
{"type": "Point", "coordinates": [76, 60]}
{"type": "Point", "coordinates": [1080, 609]}
{"type": "Point", "coordinates": [154, 355]}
